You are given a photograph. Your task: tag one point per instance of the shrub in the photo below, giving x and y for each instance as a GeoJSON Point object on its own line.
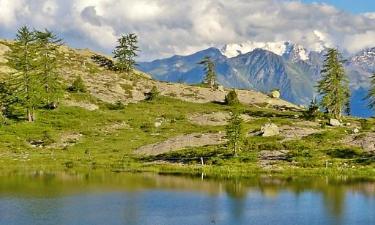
{"type": "Point", "coordinates": [153, 94]}
{"type": "Point", "coordinates": [78, 85]}
{"type": "Point", "coordinates": [313, 111]}
{"type": "Point", "coordinates": [365, 125]}
{"type": "Point", "coordinates": [118, 105]}
{"type": "Point", "coordinates": [231, 98]}
{"type": "Point", "coordinates": [103, 61]}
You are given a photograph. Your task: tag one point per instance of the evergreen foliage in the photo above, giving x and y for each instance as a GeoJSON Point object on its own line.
{"type": "Point", "coordinates": [78, 85]}
{"type": "Point", "coordinates": [48, 56]}
{"type": "Point", "coordinates": [313, 111]}
{"type": "Point", "coordinates": [23, 82]}
{"type": "Point", "coordinates": [235, 133]}
{"type": "Point", "coordinates": [153, 94]}
{"type": "Point", "coordinates": [125, 53]}
{"type": "Point", "coordinates": [210, 73]}
{"type": "Point", "coordinates": [231, 98]}
{"type": "Point", "coordinates": [334, 85]}
{"type": "Point", "coordinates": [371, 94]}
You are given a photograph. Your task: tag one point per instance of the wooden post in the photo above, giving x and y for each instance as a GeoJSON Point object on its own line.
{"type": "Point", "coordinates": [202, 162]}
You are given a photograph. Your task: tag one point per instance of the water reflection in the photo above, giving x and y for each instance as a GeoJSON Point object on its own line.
{"type": "Point", "coordinates": [137, 199]}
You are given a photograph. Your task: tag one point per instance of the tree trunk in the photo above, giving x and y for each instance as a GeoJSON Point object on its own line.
{"type": "Point", "coordinates": [30, 115]}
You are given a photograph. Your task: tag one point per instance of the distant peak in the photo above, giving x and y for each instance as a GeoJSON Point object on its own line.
{"type": "Point", "coordinates": [286, 49]}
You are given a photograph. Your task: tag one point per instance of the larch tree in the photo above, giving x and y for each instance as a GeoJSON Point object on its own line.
{"type": "Point", "coordinates": [334, 85]}
{"type": "Point", "coordinates": [47, 62]}
{"type": "Point", "coordinates": [22, 81]}
{"type": "Point", "coordinates": [125, 53]}
{"type": "Point", "coordinates": [210, 72]}
{"type": "Point", "coordinates": [371, 93]}
{"type": "Point", "coordinates": [234, 132]}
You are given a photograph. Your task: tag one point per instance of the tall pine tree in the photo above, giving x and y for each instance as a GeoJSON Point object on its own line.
{"type": "Point", "coordinates": [371, 93]}
{"type": "Point", "coordinates": [48, 56]}
{"type": "Point", "coordinates": [210, 73]}
{"type": "Point", "coordinates": [234, 133]}
{"type": "Point", "coordinates": [334, 85]}
{"type": "Point", "coordinates": [125, 53]}
{"type": "Point", "coordinates": [22, 82]}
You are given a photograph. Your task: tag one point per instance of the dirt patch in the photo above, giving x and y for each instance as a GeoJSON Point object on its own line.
{"type": "Point", "coordinates": [364, 141]}
{"type": "Point", "coordinates": [295, 133]}
{"type": "Point", "coordinates": [269, 159]}
{"type": "Point", "coordinates": [84, 105]}
{"type": "Point", "coordinates": [181, 142]}
{"type": "Point", "coordinates": [214, 119]}
{"type": "Point", "coordinates": [66, 140]}
{"type": "Point", "coordinates": [111, 128]}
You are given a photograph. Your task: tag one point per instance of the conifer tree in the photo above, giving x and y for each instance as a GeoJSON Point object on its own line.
{"type": "Point", "coordinates": [47, 67]}
{"type": "Point", "coordinates": [371, 93]}
{"type": "Point", "coordinates": [22, 82]}
{"type": "Point", "coordinates": [234, 133]}
{"type": "Point", "coordinates": [334, 85]}
{"type": "Point", "coordinates": [210, 74]}
{"type": "Point", "coordinates": [125, 53]}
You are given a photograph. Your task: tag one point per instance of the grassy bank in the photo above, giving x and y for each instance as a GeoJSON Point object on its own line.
{"type": "Point", "coordinates": [76, 139]}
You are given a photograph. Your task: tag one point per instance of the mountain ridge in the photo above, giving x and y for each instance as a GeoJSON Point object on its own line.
{"type": "Point", "coordinates": [264, 70]}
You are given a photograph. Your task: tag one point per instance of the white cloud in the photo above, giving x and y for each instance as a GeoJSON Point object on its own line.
{"type": "Point", "coordinates": [167, 27]}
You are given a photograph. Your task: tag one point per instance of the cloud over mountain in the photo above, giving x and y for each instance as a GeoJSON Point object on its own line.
{"type": "Point", "coordinates": [169, 27]}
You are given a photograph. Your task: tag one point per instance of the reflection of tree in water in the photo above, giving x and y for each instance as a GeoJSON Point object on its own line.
{"type": "Point", "coordinates": [237, 194]}
{"type": "Point", "coordinates": [131, 211]}
{"type": "Point", "coordinates": [334, 200]}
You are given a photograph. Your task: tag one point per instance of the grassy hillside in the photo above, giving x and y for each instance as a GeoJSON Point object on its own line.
{"type": "Point", "coordinates": [88, 132]}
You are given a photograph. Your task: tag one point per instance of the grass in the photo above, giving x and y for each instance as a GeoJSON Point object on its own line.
{"type": "Point", "coordinates": [102, 148]}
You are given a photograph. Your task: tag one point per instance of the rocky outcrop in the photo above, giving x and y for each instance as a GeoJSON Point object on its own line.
{"type": "Point", "coordinates": [365, 141]}
{"type": "Point", "coordinates": [334, 123]}
{"type": "Point", "coordinates": [269, 130]}
{"type": "Point", "coordinates": [181, 142]}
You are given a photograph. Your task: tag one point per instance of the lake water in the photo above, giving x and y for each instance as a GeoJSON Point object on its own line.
{"type": "Point", "coordinates": [146, 199]}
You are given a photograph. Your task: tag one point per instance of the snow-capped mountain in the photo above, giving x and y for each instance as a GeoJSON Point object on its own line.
{"type": "Point", "coordinates": [286, 49]}
{"type": "Point", "coordinates": [265, 66]}
{"type": "Point", "coordinates": [364, 59]}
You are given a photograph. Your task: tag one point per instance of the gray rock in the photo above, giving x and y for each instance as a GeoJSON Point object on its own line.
{"type": "Point", "coordinates": [220, 88]}
{"type": "Point", "coordinates": [356, 131]}
{"type": "Point", "coordinates": [275, 94]}
{"type": "Point", "coordinates": [334, 123]}
{"type": "Point", "coordinates": [158, 124]}
{"type": "Point", "coordinates": [269, 130]}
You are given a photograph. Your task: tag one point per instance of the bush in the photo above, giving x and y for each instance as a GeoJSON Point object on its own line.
{"type": "Point", "coordinates": [103, 61]}
{"type": "Point", "coordinates": [78, 85]}
{"type": "Point", "coordinates": [153, 94]}
{"type": "Point", "coordinates": [365, 125]}
{"type": "Point", "coordinates": [313, 111]}
{"type": "Point", "coordinates": [118, 105]}
{"type": "Point", "coordinates": [231, 98]}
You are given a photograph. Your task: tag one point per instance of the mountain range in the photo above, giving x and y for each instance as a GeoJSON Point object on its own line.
{"type": "Point", "coordinates": [260, 66]}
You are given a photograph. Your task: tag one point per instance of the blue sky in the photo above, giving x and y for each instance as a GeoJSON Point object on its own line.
{"type": "Point", "coordinates": [354, 6]}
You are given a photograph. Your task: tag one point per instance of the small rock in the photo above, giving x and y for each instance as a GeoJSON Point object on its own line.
{"type": "Point", "coordinates": [275, 94]}
{"type": "Point", "coordinates": [220, 88]}
{"type": "Point", "coordinates": [356, 131]}
{"type": "Point", "coordinates": [296, 116]}
{"type": "Point", "coordinates": [157, 124]}
{"type": "Point", "coordinates": [269, 130]}
{"type": "Point", "coordinates": [348, 124]}
{"type": "Point", "coordinates": [334, 123]}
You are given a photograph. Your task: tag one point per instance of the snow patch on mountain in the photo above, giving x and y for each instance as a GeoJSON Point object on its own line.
{"type": "Point", "coordinates": [282, 48]}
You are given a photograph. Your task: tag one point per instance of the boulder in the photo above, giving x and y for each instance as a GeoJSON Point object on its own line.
{"type": "Point", "coordinates": [275, 94]}
{"type": "Point", "coordinates": [269, 130]}
{"type": "Point", "coordinates": [158, 124]}
{"type": "Point", "coordinates": [356, 131]}
{"type": "Point", "coordinates": [221, 88]}
{"type": "Point", "coordinates": [334, 123]}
